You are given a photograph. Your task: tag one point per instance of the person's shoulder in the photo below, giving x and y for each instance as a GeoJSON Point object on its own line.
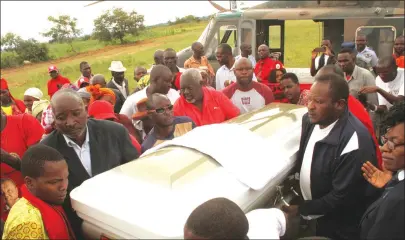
{"type": "Point", "coordinates": [229, 90]}
{"type": "Point", "coordinates": [23, 209]}
{"type": "Point", "coordinates": [104, 124]}
{"type": "Point", "coordinates": [260, 86]}
{"type": "Point", "coordinates": [182, 119]}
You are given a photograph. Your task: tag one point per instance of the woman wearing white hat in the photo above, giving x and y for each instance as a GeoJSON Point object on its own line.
{"type": "Point", "coordinates": [31, 95]}
{"type": "Point", "coordinates": [38, 107]}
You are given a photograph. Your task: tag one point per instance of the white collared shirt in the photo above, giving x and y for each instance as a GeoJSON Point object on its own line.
{"type": "Point", "coordinates": [121, 88]}
{"type": "Point", "coordinates": [224, 74]}
{"type": "Point", "coordinates": [83, 153]}
{"type": "Point", "coordinates": [368, 56]}
{"type": "Point", "coordinates": [401, 175]}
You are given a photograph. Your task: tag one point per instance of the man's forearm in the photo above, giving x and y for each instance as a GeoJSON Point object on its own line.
{"type": "Point", "coordinates": [13, 162]}
{"type": "Point", "coordinates": [390, 98]}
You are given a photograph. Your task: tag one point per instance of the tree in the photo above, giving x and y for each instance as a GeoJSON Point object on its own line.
{"type": "Point", "coordinates": [10, 41]}
{"type": "Point", "coordinates": [116, 24]}
{"type": "Point", "coordinates": [64, 30]}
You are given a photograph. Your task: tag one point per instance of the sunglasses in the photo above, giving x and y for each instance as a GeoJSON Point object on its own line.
{"type": "Point", "coordinates": [162, 110]}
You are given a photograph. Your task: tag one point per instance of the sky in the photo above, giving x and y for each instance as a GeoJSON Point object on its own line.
{"type": "Point", "coordinates": [28, 18]}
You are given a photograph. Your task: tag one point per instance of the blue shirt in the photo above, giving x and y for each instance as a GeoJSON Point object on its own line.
{"type": "Point", "coordinates": [181, 126]}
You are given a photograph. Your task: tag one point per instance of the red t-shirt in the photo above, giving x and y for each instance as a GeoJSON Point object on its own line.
{"type": "Point", "coordinates": [21, 131]}
{"type": "Point", "coordinates": [177, 81]}
{"type": "Point", "coordinates": [358, 110]}
{"type": "Point", "coordinates": [53, 84]}
{"type": "Point", "coordinates": [264, 67]}
{"type": "Point", "coordinates": [216, 108]}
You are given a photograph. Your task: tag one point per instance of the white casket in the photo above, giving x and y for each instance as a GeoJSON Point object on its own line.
{"type": "Point", "coordinates": [243, 160]}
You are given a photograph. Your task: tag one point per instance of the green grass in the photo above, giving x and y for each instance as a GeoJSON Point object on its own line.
{"type": "Point", "coordinates": [301, 38]}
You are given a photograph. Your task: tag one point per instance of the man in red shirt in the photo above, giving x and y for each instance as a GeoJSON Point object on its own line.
{"type": "Point", "coordinates": [18, 132]}
{"type": "Point", "coordinates": [56, 81]}
{"type": "Point", "coordinates": [265, 65]}
{"type": "Point", "coordinates": [170, 60]}
{"type": "Point", "coordinates": [247, 94]}
{"type": "Point", "coordinates": [204, 106]}
{"type": "Point", "coordinates": [399, 51]}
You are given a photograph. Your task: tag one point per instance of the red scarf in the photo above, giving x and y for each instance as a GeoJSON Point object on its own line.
{"type": "Point", "coordinates": [17, 106]}
{"type": "Point", "coordinates": [55, 221]}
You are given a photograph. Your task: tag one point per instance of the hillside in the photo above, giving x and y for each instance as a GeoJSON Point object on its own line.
{"type": "Point", "coordinates": [301, 38]}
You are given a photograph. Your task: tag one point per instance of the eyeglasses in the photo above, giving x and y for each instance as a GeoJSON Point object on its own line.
{"type": "Point", "coordinates": [163, 109]}
{"type": "Point", "coordinates": [390, 144]}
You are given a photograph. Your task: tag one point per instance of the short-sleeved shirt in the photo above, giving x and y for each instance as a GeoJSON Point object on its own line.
{"type": "Point", "coordinates": [362, 78]}
{"type": "Point", "coordinates": [193, 63]}
{"type": "Point", "coordinates": [21, 132]}
{"type": "Point", "coordinates": [368, 56]}
{"type": "Point", "coordinates": [258, 96]}
{"type": "Point", "coordinates": [182, 125]}
{"type": "Point", "coordinates": [224, 74]}
{"type": "Point", "coordinates": [394, 87]}
{"type": "Point", "coordinates": [216, 108]}
{"type": "Point", "coordinates": [129, 107]}
{"type": "Point", "coordinates": [264, 67]}
{"type": "Point", "coordinates": [53, 84]}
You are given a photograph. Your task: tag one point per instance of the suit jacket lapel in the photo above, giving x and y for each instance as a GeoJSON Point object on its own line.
{"type": "Point", "coordinates": [95, 145]}
{"type": "Point", "coordinates": [75, 165]}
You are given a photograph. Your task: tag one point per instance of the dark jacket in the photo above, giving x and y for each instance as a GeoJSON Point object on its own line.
{"type": "Point", "coordinates": [110, 84]}
{"type": "Point", "coordinates": [110, 146]}
{"type": "Point", "coordinates": [339, 191]}
{"type": "Point", "coordinates": [384, 219]}
{"type": "Point", "coordinates": [119, 100]}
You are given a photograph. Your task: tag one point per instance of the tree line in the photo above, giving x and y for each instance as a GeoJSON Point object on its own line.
{"type": "Point", "coordinates": [112, 25]}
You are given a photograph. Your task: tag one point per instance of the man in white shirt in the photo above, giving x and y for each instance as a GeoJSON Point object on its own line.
{"type": "Point", "coordinates": [160, 82]}
{"type": "Point", "coordinates": [389, 84]}
{"type": "Point", "coordinates": [247, 94]}
{"type": "Point", "coordinates": [225, 74]}
{"type": "Point", "coordinates": [334, 144]}
{"type": "Point", "coordinates": [246, 52]}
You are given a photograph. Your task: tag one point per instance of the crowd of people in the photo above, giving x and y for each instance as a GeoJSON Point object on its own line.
{"type": "Point", "coordinates": [351, 156]}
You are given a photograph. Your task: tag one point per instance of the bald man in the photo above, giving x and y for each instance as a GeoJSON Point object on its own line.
{"type": "Point", "coordinates": [160, 82]}
{"type": "Point", "coordinates": [89, 146]}
{"type": "Point", "coordinates": [166, 126]}
{"type": "Point", "coordinates": [203, 105]}
{"type": "Point", "coordinates": [265, 65]}
{"type": "Point", "coordinates": [119, 98]}
{"type": "Point", "coordinates": [247, 94]}
{"type": "Point", "coordinates": [198, 60]}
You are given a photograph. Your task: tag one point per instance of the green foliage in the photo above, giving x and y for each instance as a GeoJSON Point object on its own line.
{"type": "Point", "coordinates": [64, 29]}
{"type": "Point", "coordinates": [186, 19]}
{"type": "Point", "coordinates": [116, 24]}
{"type": "Point", "coordinates": [10, 59]}
{"type": "Point", "coordinates": [10, 41]}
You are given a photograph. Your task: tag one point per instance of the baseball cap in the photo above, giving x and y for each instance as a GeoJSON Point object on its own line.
{"type": "Point", "coordinates": [102, 110]}
{"type": "Point", "coordinates": [52, 68]}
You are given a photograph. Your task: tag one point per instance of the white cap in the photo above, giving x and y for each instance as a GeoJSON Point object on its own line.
{"type": "Point", "coordinates": [34, 92]}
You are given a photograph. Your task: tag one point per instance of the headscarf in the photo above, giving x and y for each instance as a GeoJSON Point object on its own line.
{"type": "Point", "coordinates": [39, 106]}
{"type": "Point", "coordinates": [34, 92]}
{"type": "Point", "coordinates": [19, 105]}
{"type": "Point", "coordinates": [97, 92]}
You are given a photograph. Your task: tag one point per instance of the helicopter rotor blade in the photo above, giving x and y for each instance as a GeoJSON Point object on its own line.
{"type": "Point", "coordinates": [95, 2]}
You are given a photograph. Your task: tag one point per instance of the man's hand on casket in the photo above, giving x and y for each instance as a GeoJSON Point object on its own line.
{"type": "Point", "coordinates": [291, 211]}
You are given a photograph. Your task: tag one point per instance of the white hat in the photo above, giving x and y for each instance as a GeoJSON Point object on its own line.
{"type": "Point", "coordinates": [34, 92]}
{"type": "Point", "coordinates": [116, 66]}
{"type": "Point", "coordinates": [39, 106]}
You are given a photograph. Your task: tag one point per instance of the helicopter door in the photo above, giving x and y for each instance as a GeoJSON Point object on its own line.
{"type": "Point", "coordinates": [247, 35]}
{"type": "Point", "coordinates": [271, 33]}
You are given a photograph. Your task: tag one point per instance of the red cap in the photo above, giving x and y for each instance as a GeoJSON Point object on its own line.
{"type": "Point", "coordinates": [82, 80]}
{"type": "Point", "coordinates": [101, 109]}
{"type": "Point", "coordinates": [52, 68]}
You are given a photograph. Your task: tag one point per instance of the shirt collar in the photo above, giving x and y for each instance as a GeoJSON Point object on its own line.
{"type": "Point", "coordinates": [71, 143]}
{"type": "Point", "coordinates": [116, 84]}
{"type": "Point", "coordinates": [355, 72]}
{"type": "Point", "coordinates": [401, 175]}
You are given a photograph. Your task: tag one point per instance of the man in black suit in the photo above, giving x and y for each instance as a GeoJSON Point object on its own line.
{"type": "Point", "coordinates": [334, 144]}
{"type": "Point", "coordinates": [384, 219]}
{"type": "Point", "coordinates": [90, 146]}
{"type": "Point", "coordinates": [118, 80]}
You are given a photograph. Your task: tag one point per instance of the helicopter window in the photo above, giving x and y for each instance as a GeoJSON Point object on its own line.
{"type": "Point", "coordinates": [379, 38]}
{"type": "Point", "coordinates": [228, 34]}
{"type": "Point", "coordinates": [275, 37]}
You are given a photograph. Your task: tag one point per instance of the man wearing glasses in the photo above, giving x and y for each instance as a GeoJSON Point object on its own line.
{"type": "Point", "coordinates": [166, 126]}
{"type": "Point", "coordinates": [384, 219]}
